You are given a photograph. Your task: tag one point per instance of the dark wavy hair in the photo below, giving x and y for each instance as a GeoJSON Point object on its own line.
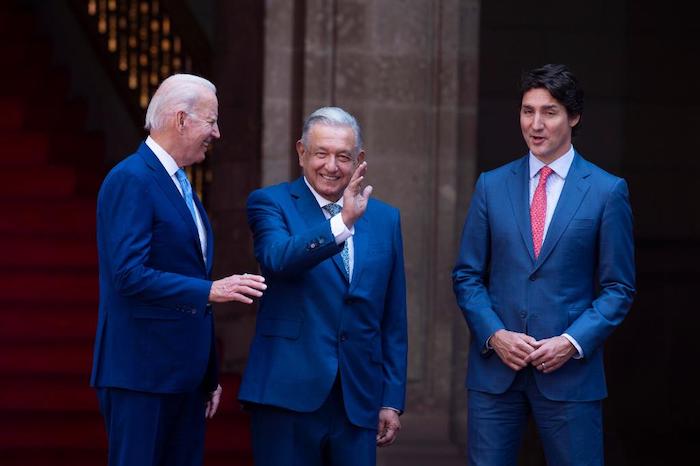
{"type": "Point", "coordinates": [561, 83]}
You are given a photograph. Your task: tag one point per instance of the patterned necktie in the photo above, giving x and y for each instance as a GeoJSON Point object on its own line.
{"type": "Point", "coordinates": [335, 209]}
{"type": "Point", "coordinates": [186, 192]}
{"type": "Point", "coordinates": [538, 209]}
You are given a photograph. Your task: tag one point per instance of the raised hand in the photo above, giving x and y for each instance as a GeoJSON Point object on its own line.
{"type": "Point", "coordinates": [355, 197]}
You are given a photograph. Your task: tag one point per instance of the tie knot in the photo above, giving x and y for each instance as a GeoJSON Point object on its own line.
{"type": "Point", "coordinates": [544, 174]}
{"type": "Point", "coordinates": [332, 209]}
{"type": "Point", "coordinates": [181, 176]}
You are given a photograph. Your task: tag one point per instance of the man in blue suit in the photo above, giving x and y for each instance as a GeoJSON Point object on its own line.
{"type": "Point", "coordinates": [155, 362]}
{"type": "Point", "coordinates": [326, 373]}
{"type": "Point", "coordinates": [545, 273]}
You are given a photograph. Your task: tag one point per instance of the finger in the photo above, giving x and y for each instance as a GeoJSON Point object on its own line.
{"type": "Point", "coordinates": [207, 410]}
{"type": "Point", "coordinates": [255, 285]}
{"type": "Point", "coordinates": [214, 407]}
{"type": "Point", "coordinates": [252, 277]}
{"type": "Point", "coordinates": [240, 298]}
{"type": "Point", "coordinates": [248, 291]}
{"type": "Point", "coordinates": [388, 437]}
{"type": "Point", "coordinates": [367, 192]}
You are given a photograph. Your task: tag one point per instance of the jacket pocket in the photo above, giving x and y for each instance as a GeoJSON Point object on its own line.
{"type": "Point", "coordinates": [280, 328]}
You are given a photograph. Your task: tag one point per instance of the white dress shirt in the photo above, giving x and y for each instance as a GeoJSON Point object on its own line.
{"type": "Point", "coordinates": [338, 228]}
{"type": "Point", "coordinates": [171, 167]}
{"type": "Point", "coordinates": [553, 188]}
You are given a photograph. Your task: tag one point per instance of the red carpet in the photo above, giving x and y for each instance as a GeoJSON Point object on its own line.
{"type": "Point", "coordinates": [48, 270]}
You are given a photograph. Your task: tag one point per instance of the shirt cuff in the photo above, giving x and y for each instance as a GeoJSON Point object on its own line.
{"type": "Point", "coordinates": [576, 345]}
{"type": "Point", "coordinates": [393, 409]}
{"type": "Point", "coordinates": [339, 230]}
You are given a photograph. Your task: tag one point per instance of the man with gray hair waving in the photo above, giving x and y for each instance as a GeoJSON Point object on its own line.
{"type": "Point", "coordinates": [326, 374]}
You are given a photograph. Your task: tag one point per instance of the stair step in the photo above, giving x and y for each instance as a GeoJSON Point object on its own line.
{"type": "Point", "coordinates": [31, 394]}
{"type": "Point", "coordinates": [74, 218]}
{"type": "Point", "coordinates": [50, 323]}
{"type": "Point", "coordinates": [38, 183]}
{"type": "Point", "coordinates": [52, 430]}
{"type": "Point", "coordinates": [46, 288]}
{"type": "Point", "coordinates": [50, 253]}
{"type": "Point", "coordinates": [44, 456]}
{"type": "Point", "coordinates": [74, 358]}
{"type": "Point", "coordinates": [98, 457]}
{"type": "Point", "coordinates": [24, 148]}
{"type": "Point", "coordinates": [84, 429]}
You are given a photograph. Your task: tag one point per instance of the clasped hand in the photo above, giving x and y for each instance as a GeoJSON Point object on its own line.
{"type": "Point", "coordinates": [517, 350]}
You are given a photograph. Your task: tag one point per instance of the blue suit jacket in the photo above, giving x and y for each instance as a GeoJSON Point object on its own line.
{"type": "Point", "coordinates": [582, 283]}
{"type": "Point", "coordinates": [312, 323]}
{"type": "Point", "coordinates": [155, 330]}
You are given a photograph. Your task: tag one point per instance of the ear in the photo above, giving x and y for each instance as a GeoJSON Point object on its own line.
{"type": "Point", "coordinates": [573, 121]}
{"type": "Point", "coordinates": [360, 157]}
{"type": "Point", "coordinates": [300, 152]}
{"type": "Point", "coordinates": [180, 118]}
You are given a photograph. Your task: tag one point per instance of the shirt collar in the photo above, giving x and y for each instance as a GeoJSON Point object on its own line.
{"type": "Point", "coordinates": [322, 201]}
{"type": "Point", "coordinates": [560, 166]}
{"type": "Point", "coordinates": [165, 159]}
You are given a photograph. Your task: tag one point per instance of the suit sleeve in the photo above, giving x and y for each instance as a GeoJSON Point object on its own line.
{"type": "Point", "coordinates": [394, 328]}
{"type": "Point", "coordinates": [278, 251]}
{"type": "Point", "coordinates": [616, 273]}
{"type": "Point", "coordinates": [125, 219]}
{"type": "Point", "coordinates": [470, 272]}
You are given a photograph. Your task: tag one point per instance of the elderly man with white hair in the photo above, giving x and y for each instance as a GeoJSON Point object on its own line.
{"type": "Point", "coordinates": [155, 365]}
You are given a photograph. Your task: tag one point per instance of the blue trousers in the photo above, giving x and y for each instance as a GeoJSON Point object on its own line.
{"type": "Point", "coordinates": [153, 429]}
{"type": "Point", "coordinates": [324, 437]}
{"type": "Point", "coordinates": [571, 432]}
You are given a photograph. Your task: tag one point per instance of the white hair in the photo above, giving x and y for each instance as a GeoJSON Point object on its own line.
{"type": "Point", "coordinates": [332, 116]}
{"type": "Point", "coordinates": [179, 92]}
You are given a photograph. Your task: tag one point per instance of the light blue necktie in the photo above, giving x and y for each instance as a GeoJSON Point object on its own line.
{"type": "Point", "coordinates": [334, 209]}
{"type": "Point", "coordinates": [186, 192]}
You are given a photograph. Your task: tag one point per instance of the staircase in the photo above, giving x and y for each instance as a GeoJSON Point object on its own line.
{"type": "Point", "coordinates": [48, 270]}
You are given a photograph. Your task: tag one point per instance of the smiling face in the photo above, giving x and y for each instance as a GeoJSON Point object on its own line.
{"type": "Point", "coordinates": [546, 125]}
{"type": "Point", "coordinates": [328, 159]}
{"type": "Point", "coordinates": [199, 128]}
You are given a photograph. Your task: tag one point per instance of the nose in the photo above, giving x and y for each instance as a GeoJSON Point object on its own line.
{"type": "Point", "coordinates": [215, 131]}
{"type": "Point", "coordinates": [537, 121]}
{"type": "Point", "coordinates": [331, 163]}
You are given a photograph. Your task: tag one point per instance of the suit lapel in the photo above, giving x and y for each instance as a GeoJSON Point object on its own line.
{"type": "Point", "coordinates": [575, 188]}
{"type": "Point", "coordinates": [360, 243]}
{"type": "Point", "coordinates": [208, 231]}
{"type": "Point", "coordinates": [311, 212]}
{"type": "Point", "coordinates": [519, 193]}
{"type": "Point", "coordinates": [165, 183]}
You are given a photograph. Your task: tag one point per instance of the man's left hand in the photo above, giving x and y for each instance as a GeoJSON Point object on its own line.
{"type": "Point", "coordinates": [213, 403]}
{"type": "Point", "coordinates": [551, 354]}
{"type": "Point", "coordinates": [388, 428]}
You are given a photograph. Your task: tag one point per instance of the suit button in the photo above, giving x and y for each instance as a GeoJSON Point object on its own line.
{"type": "Point", "coordinates": [312, 245]}
{"type": "Point", "coordinates": [343, 337]}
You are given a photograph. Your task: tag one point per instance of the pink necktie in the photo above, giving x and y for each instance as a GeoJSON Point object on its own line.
{"type": "Point", "coordinates": [538, 209]}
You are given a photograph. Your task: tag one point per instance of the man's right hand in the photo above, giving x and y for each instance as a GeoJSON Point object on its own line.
{"type": "Point", "coordinates": [237, 288]}
{"type": "Point", "coordinates": [512, 347]}
{"type": "Point", "coordinates": [354, 197]}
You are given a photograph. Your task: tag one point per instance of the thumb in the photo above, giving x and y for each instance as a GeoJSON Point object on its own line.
{"type": "Point", "coordinates": [367, 191]}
